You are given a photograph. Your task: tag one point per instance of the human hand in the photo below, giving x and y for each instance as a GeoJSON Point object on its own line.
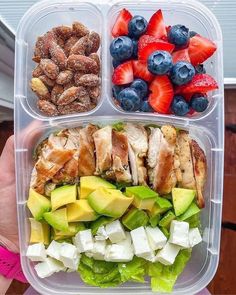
{"type": "Point", "coordinates": [8, 215]}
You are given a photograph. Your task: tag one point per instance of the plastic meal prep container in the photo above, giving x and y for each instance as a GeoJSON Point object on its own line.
{"type": "Point", "coordinates": [31, 126]}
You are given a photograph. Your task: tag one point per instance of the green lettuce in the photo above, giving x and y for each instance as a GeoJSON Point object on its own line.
{"type": "Point", "coordinates": [134, 270]}
{"type": "Point", "coordinates": [163, 277]}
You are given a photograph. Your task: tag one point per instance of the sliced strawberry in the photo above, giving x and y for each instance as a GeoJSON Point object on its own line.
{"type": "Point", "coordinates": [200, 49]}
{"type": "Point", "coordinates": [123, 74]}
{"type": "Point", "coordinates": [200, 83]}
{"type": "Point", "coordinates": [141, 71]}
{"type": "Point", "coordinates": [180, 55]}
{"type": "Point", "coordinates": [162, 94]}
{"type": "Point", "coordinates": [148, 44]}
{"type": "Point", "coordinates": [120, 27]}
{"type": "Point", "coordinates": [156, 26]}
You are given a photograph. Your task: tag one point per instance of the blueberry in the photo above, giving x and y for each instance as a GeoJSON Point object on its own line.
{"type": "Point", "coordinates": [141, 87]}
{"type": "Point", "coordinates": [135, 49]}
{"type": "Point", "coordinates": [129, 100]}
{"type": "Point", "coordinates": [182, 72]}
{"type": "Point", "coordinates": [145, 107]}
{"type": "Point", "coordinates": [199, 69]}
{"type": "Point", "coordinates": [179, 106]}
{"type": "Point", "coordinates": [160, 62]}
{"type": "Point", "coordinates": [137, 26]}
{"type": "Point", "coordinates": [116, 90]}
{"type": "Point", "coordinates": [192, 34]}
{"type": "Point", "coordinates": [199, 102]}
{"type": "Point", "coordinates": [178, 35]}
{"type": "Point", "coordinates": [121, 48]}
{"type": "Point", "coordinates": [116, 63]}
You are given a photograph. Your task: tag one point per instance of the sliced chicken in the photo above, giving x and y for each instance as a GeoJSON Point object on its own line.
{"type": "Point", "coordinates": [185, 159]}
{"type": "Point", "coordinates": [86, 152]}
{"type": "Point", "coordinates": [200, 170]}
{"type": "Point", "coordinates": [120, 158]}
{"type": "Point", "coordinates": [103, 146]}
{"type": "Point", "coordinates": [137, 148]}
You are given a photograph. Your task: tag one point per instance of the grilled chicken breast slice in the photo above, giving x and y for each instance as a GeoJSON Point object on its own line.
{"type": "Point", "coordinates": [200, 170]}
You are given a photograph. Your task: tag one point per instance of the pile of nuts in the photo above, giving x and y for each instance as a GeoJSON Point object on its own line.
{"type": "Point", "coordinates": [66, 79]}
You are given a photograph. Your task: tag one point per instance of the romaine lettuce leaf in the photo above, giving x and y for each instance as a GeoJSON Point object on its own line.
{"type": "Point", "coordinates": [134, 270]}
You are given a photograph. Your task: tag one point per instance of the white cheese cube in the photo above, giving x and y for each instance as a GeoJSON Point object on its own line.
{"type": "Point", "coordinates": [156, 238]}
{"type": "Point", "coordinates": [69, 256]}
{"type": "Point", "coordinates": [179, 233]}
{"type": "Point", "coordinates": [115, 231]}
{"type": "Point", "coordinates": [118, 253]}
{"type": "Point", "coordinates": [53, 250]}
{"type": "Point", "coordinates": [194, 237]}
{"type": "Point", "coordinates": [84, 240]}
{"type": "Point", "coordinates": [140, 242]}
{"type": "Point", "coordinates": [168, 254]}
{"type": "Point", "coordinates": [150, 257]}
{"type": "Point", "coordinates": [48, 267]}
{"type": "Point", "coordinates": [127, 242]}
{"type": "Point", "coordinates": [36, 252]}
{"type": "Point", "coordinates": [101, 234]}
{"type": "Point", "coordinates": [99, 250]}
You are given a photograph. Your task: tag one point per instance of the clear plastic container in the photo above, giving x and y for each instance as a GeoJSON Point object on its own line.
{"type": "Point", "coordinates": [31, 126]}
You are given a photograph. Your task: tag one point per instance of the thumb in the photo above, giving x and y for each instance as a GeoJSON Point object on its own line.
{"type": "Point", "coordinates": [7, 159]}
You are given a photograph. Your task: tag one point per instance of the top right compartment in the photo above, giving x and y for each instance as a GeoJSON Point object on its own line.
{"type": "Point", "coordinates": [194, 16]}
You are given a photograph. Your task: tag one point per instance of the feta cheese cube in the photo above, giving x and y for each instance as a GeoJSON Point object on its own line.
{"type": "Point", "coordinates": [36, 252]}
{"type": "Point", "coordinates": [179, 233]}
{"type": "Point", "coordinates": [69, 256]}
{"type": "Point", "coordinates": [84, 240]}
{"type": "Point", "coordinates": [53, 250]}
{"type": "Point", "coordinates": [115, 231]}
{"type": "Point", "coordinates": [118, 253]}
{"type": "Point", "coordinates": [168, 254]}
{"type": "Point", "coordinates": [194, 237]}
{"type": "Point", "coordinates": [101, 234]}
{"type": "Point", "coordinates": [99, 250]}
{"type": "Point", "coordinates": [127, 242]}
{"type": "Point", "coordinates": [140, 242]}
{"type": "Point", "coordinates": [48, 267]}
{"type": "Point", "coordinates": [156, 238]}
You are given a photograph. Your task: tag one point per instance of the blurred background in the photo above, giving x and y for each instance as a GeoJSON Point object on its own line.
{"type": "Point", "coordinates": [11, 12]}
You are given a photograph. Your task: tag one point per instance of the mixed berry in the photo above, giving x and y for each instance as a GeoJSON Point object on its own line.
{"type": "Point", "coordinates": [158, 68]}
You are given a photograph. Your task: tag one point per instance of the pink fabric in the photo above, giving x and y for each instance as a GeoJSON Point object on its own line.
{"type": "Point", "coordinates": [10, 266]}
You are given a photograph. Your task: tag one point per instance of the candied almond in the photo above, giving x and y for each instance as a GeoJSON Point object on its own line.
{"type": "Point", "coordinates": [77, 76]}
{"type": "Point", "coordinates": [69, 44]}
{"type": "Point", "coordinates": [80, 46]}
{"type": "Point", "coordinates": [79, 29]}
{"type": "Point", "coordinates": [69, 85]}
{"type": "Point", "coordinates": [96, 58]}
{"type": "Point", "coordinates": [49, 68]}
{"type": "Point", "coordinates": [94, 39]}
{"type": "Point", "coordinates": [61, 42]}
{"type": "Point", "coordinates": [63, 32]}
{"type": "Point", "coordinates": [42, 45]}
{"type": "Point", "coordinates": [64, 77]}
{"type": "Point", "coordinates": [74, 107]}
{"type": "Point", "coordinates": [56, 92]}
{"type": "Point", "coordinates": [94, 92]}
{"type": "Point", "coordinates": [82, 63]}
{"type": "Point", "coordinates": [85, 99]}
{"type": "Point", "coordinates": [47, 107]}
{"type": "Point", "coordinates": [40, 88]}
{"type": "Point", "coordinates": [70, 94]}
{"type": "Point", "coordinates": [58, 55]}
{"type": "Point", "coordinates": [47, 81]}
{"type": "Point", "coordinates": [89, 80]}
{"type": "Point", "coordinates": [37, 71]}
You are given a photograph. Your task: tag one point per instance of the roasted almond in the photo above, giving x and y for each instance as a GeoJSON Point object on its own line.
{"type": "Point", "coordinates": [64, 77]}
{"type": "Point", "coordinates": [85, 99]}
{"type": "Point", "coordinates": [94, 92]}
{"type": "Point", "coordinates": [58, 55]}
{"type": "Point", "coordinates": [96, 58]}
{"type": "Point", "coordinates": [37, 71]}
{"type": "Point", "coordinates": [42, 45]}
{"type": "Point", "coordinates": [63, 32]}
{"type": "Point", "coordinates": [94, 39]}
{"type": "Point", "coordinates": [56, 92]}
{"type": "Point", "coordinates": [74, 107]}
{"type": "Point", "coordinates": [49, 68]}
{"type": "Point", "coordinates": [80, 46]}
{"type": "Point", "coordinates": [47, 107]}
{"type": "Point", "coordinates": [79, 29]}
{"type": "Point", "coordinates": [69, 85]}
{"type": "Point", "coordinates": [89, 80]}
{"type": "Point", "coordinates": [40, 88]}
{"type": "Point", "coordinates": [70, 94]}
{"type": "Point", "coordinates": [47, 81]}
{"type": "Point", "coordinates": [82, 63]}
{"type": "Point", "coordinates": [61, 42]}
{"type": "Point", "coordinates": [69, 44]}
{"type": "Point", "coordinates": [77, 76]}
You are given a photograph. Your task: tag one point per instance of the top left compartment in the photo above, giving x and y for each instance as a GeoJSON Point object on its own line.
{"type": "Point", "coordinates": [37, 21]}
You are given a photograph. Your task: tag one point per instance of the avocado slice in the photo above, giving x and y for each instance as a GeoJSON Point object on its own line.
{"type": "Point", "coordinates": [57, 219]}
{"type": "Point", "coordinates": [166, 219]}
{"type": "Point", "coordinates": [144, 197]}
{"type": "Point", "coordinates": [135, 218]}
{"type": "Point", "coordinates": [73, 229]}
{"type": "Point", "coordinates": [182, 198]}
{"type": "Point", "coordinates": [165, 232]}
{"type": "Point", "coordinates": [100, 222]}
{"type": "Point", "coordinates": [192, 210]}
{"type": "Point", "coordinates": [109, 202]}
{"type": "Point", "coordinates": [38, 204]}
{"type": "Point", "coordinates": [63, 195]}
{"type": "Point", "coordinates": [39, 231]}
{"type": "Point", "coordinates": [80, 210]}
{"type": "Point", "coordinates": [88, 184]}
{"type": "Point", "coordinates": [161, 206]}
{"type": "Point", "coordinates": [154, 220]}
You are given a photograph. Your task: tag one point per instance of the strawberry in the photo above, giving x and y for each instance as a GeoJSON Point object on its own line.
{"type": "Point", "coordinates": [148, 44]}
{"type": "Point", "coordinates": [162, 94]}
{"type": "Point", "coordinates": [156, 26]}
{"type": "Point", "coordinates": [120, 27]}
{"type": "Point", "coordinates": [180, 55]}
{"type": "Point", "coordinates": [123, 74]}
{"type": "Point", "coordinates": [200, 49]}
{"type": "Point", "coordinates": [141, 71]}
{"type": "Point", "coordinates": [201, 83]}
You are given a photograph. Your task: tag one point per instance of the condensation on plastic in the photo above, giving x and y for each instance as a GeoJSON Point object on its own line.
{"type": "Point", "coordinates": [31, 126]}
